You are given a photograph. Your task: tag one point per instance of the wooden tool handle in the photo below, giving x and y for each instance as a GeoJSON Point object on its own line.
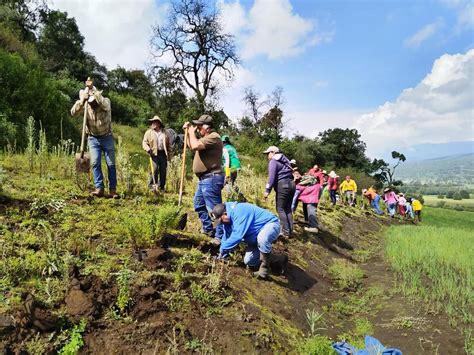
{"type": "Point", "coordinates": [84, 129]}
{"type": "Point", "coordinates": [183, 167]}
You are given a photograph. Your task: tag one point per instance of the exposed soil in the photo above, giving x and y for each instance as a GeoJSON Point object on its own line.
{"type": "Point", "coordinates": [264, 317]}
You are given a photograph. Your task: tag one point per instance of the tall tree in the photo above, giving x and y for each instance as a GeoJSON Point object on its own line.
{"type": "Point", "coordinates": [23, 16]}
{"type": "Point", "coordinates": [346, 149]}
{"type": "Point", "coordinates": [134, 82]}
{"type": "Point", "coordinates": [200, 49]}
{"type": "Point", "coordinates": [384, 172]}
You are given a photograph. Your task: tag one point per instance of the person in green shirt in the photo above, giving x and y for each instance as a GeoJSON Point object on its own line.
{"type": "Point", "coordinates": [230, 160]}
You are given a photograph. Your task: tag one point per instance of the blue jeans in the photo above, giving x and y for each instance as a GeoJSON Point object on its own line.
{"type": "Point", "coordinates": [208, 194]}
{"type": "Point", "coordinates": [309, 212]}
{"type": "Point", "coordinates": [267, 235]}
{"type": "Point", "coordinates": [332, 194]}
{"type": "Point", "coordinates": [392, 208]}
{"type": "Point", "coordinates": [294, 204]}
{"type": "Point", "coordinates": [96, 147]}
{"type": "Point", "coordinates": [375, 205]}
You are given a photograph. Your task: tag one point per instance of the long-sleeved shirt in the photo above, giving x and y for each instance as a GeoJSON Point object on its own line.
{"type": "Point", "coordinates": [348, 186]}
{"type": "Point", "coordinates": [390, 198]}
{"type": "Point", "coordinates": [156, 141]}
{"type": "Point", "coordinates": [98, 121]}
{"type": "Point", "coordinates": [333, 183]}
{"type": "Point", "coordinates": [246, 221]}
{"type": "Point", "coordinates": [279, 168]}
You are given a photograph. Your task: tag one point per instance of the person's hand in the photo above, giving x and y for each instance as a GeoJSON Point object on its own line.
{"type": "Point", "coordinates": [265, 195]}
{"type": "Point", "coordinates": [84, 95]}
{"type": "Point", "coordinates": [186, 125]}
{"type": "Point", "coordinates": [192, 129]}
{"type": "Point", "coordinates": [150, 152]}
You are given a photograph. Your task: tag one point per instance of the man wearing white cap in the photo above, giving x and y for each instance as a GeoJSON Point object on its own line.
{"type": "Point", "coordinates": [99, 129]}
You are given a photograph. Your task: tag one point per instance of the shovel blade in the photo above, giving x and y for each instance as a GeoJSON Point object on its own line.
{"type": "Point", "coordinates": [83, 162]}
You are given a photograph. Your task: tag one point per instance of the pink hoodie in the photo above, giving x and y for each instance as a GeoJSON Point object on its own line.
{"type": "Point", "coordinates": [390, 198]}
{"type": "Point", "coordinates": [309, 194]}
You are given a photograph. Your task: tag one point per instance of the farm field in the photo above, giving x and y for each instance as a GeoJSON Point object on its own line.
{"type": "Point", "coordinates": [435, 263]}
{"type": "Point", "coordinates": [432, 200]}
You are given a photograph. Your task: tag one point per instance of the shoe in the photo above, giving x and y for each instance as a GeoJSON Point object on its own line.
{"type": "Point", "coordinates": [311, 229]}
{"type": "Point", "coordinates": [98, 193]}
{"type": "Point", "coordinates": [262, 272]}
{"type": "Point", "coordinates": [114, 194]}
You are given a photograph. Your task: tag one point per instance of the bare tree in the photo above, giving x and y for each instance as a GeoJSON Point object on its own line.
{"type": "Point", "coordinates": [194, 37]}
{"type": "Point", "coordinates": [252, 100]}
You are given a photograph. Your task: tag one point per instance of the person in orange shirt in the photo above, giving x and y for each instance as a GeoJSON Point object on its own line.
{"type": "Point", "coordinates": [373, 198]}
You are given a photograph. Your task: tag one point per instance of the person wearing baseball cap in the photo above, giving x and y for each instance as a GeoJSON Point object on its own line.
{"type": "Point", "coordinates": [207, 165]}
{"type": "Point", "coordinates": [99, 130]}
{"type": "Point", "coordinates": [257, 227]}
{"type": "Point", "coordinates": [280, 179]}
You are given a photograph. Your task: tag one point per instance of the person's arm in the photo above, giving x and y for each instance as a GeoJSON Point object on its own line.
{"type": "Point", "coordinates": [145, 145]}
{"type": "Point", "coordinates": [272, 175]}
{"type": "Point", "coordinates": [240, 226]}
{"type": "Point", "coordinates": [103, 102]}
{"type": "Point", "coordinates": [78, 107]}
{"type": "Point", "coordinates": [193, 142]}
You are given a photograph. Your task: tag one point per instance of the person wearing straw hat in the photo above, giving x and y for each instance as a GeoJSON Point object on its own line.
{"type": "Point", "coordinates": [333, 185]}
{"type": "Point", "coordinates": [391, 199]}
{"type": "Point", "coordinates": [99, 129]}
{"type": "Point", "coordinates": [156, 143]}
{"type": "Point", "coordinates": [207, 165]}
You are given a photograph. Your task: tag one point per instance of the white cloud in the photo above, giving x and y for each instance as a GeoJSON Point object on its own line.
{"type": "Point", "coordinates": [425, 33]}
{"type": "Point", "coordinates": [439, 109]}
{"type": "Point", "coordinates": [271, 28]}
{"type": "Point", "coordinates": [465, 13]}
{"type": "Point", "coordinates": [116, 32]}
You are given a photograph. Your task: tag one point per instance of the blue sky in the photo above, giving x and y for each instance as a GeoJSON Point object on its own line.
{"type": "Point", "coordinates": [401, 72]}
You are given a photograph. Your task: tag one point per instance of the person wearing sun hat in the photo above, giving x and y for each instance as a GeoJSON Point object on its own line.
{"type": "Point", "coordinates": [207, 165]}
{"type": "Point", "coordinates": [157, 144]}
{"type": "Point", "coordinates": [391, 199]}
{"type": "Point", "coordinates": [280, 179]}
{"type": "Point", "coordinates": [333, 184]}
{"type": "Point", "coordinates": [402, 201]}
{"type": "Point", "coordinates": [100, 140]}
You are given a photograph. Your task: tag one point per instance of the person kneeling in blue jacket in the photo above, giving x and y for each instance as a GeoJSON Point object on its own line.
{"type": "Point", "coordinates": [255, 226]}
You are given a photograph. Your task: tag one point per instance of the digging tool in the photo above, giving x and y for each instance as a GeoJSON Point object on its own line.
{"type": "Point", "coordinates": [82, 158]}
{"type": "Point", "coordinates": [154, 187]}
{"type": "Point", "coordinates": [183, 167]}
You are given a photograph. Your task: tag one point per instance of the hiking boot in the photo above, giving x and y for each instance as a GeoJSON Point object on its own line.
{"type": "Point", "coordinates": [311, 229]}
{"type": "Point", "coordinates": [114, 194]}
{"type": "Point", "coordinates": [262, 272]}
{"type": "Point", "coordinates": [278, 263]}
{"type": "Point", "coordinates": [98, 193]}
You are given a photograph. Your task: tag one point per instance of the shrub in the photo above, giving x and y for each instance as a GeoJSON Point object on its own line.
{"type": "Point", "coordinates": [441, 196]}
{"type": "Point", "coordinates": [457, 196]}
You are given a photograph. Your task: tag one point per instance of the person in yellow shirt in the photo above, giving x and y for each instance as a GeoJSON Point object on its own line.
{"type": "Point", "coordinates": [348, 189]}
{"type": "Point", "coordinates": [417, 207]}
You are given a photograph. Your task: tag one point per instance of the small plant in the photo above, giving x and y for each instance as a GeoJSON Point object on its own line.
{"type": "Point", "coordinates": [30, 138]}
{"type": "Point", "coordinates": [75, 342]}
{"type": "Point", "coordinates": [316, 345]}
{"type": "Point", "coordinates": [123, 279]}
{"type": "Point", "coordinates": [124, 164]}
{"type": "Point", "coordinates": [3, 178]}
{"type": "Point", "coordinates": [42, 152]}
{"type": "Point", "coordinates": [347, 276]}
{"type": "Point", "coordinates": [313, 318]}
{"type": "Point", "coordinates": [194, 344]}
{"type": "Point", "coordinates": [36, 345]}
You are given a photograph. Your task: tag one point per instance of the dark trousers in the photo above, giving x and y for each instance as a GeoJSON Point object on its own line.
{"type": "Point", "coordinates": [332, 194]}
{"type": "Point", "coordinates": [160, 163]}
{"type": "Point", "coordinates": [284, 197]}
{"type": "Point", "coordinates": [309, 212]}
{"type": "Point", "coordinates": [418, 215]}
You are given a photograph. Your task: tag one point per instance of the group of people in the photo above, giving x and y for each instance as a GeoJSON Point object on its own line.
{"type": "Point", "coordinates": [410, 207]}
{"type": "Point", "coordinates": [216, 163]}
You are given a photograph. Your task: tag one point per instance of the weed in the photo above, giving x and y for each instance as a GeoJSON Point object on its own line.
{"type": "Point", "coordinates": [36, 345]}
{"type": "Point", "coordinates": [177, 301]}
{"type": "Point", "coordinates": [42, 152]}
{"type": "Point", "coordinates": [347, 276]}
{"type": "Point", "coordinates": [75, 342]}
{"type": "Point", "coordinates": [30, 138]}
{"type": "Point", "coordinates": [313, 318]}
{"type": "Point", "coordinates": [316, 345]}
{"type": "Point", "coordinates": [125, 170]}
{"type": "Point", "coordinates": [194, 344]}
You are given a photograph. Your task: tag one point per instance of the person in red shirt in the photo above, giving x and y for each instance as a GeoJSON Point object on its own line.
{"type": "Point", "coordinates": [333, 185]}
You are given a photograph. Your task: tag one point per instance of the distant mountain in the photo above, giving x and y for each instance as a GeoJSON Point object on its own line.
{"type": "Point", "coordinates": [433, 151]}
{"type": "Point", "coordinates": [454, 169]}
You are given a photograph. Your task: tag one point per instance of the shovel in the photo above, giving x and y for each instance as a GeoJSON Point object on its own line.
{"type": "Point", "coordinates": [183, 168]}
{"type": "Point", "coordinates": [82, 158]}
{"type": "Point", "coordinates": [154, 188]}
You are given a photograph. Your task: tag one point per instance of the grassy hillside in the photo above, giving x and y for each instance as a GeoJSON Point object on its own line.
{"type": "Point", "coordinates": [458, 169]}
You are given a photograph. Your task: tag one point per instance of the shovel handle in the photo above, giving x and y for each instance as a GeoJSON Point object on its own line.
{"type": "Point", "coordinates": [83, 129]}
{"type": "Point", "coordinates": [183, 167]}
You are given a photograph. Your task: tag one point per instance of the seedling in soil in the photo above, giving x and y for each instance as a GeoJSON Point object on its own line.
{"type": "Point", "coordinates": [313, 318]}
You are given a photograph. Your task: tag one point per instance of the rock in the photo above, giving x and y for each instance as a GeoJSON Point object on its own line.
{"type": "Point", "coordinates": [147, 292]}
{"type": "Point", "coordinates": [79, 304]}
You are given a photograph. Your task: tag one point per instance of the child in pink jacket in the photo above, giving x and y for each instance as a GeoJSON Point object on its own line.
{"type": "Point", "coordinates": [309, 196]}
